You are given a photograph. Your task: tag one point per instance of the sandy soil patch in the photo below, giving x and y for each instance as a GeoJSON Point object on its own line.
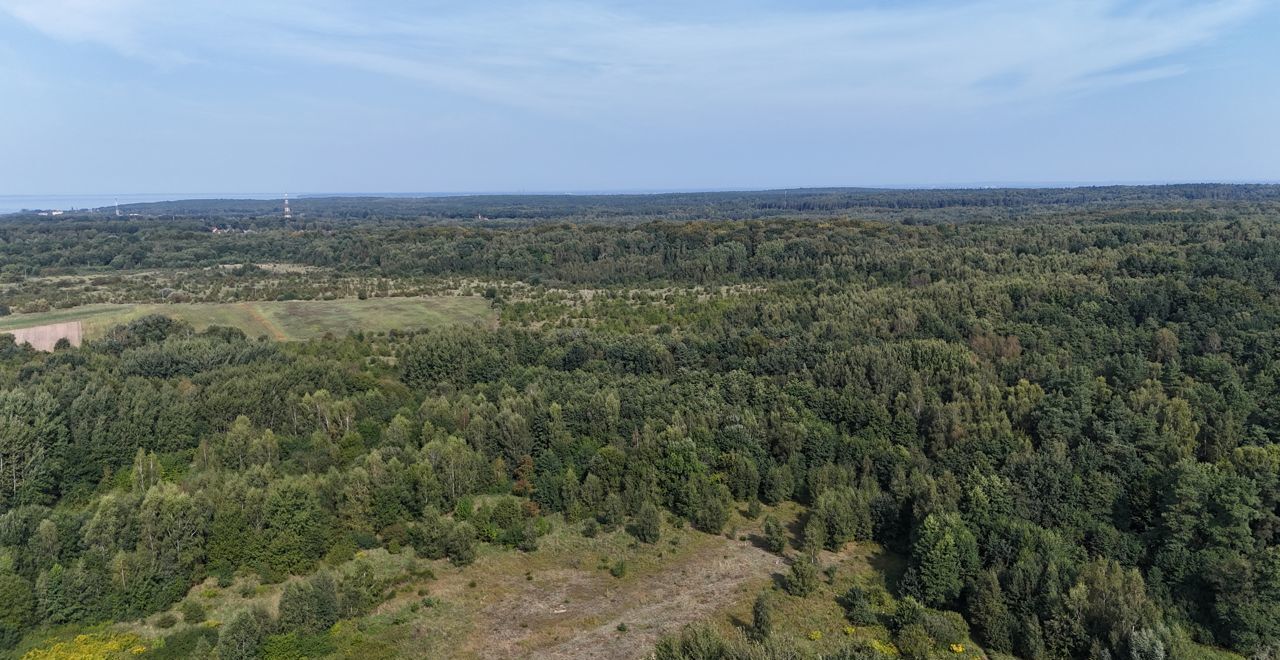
{"type": "Point", "coordinates": [44, 337]}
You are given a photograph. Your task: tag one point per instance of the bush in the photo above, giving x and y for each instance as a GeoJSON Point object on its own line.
{"type": "Point", "coordinates": [192, 612]}
{"type": "Point", "coordinates": [241, 638]}
{"type": "Point", "coordinates": [762, 617]}
{"type": "Point", "coordinates": [914, 642]}
{"type": "Point", "coordinates": [295, 645]}
{"type": "Point", "coordinates": [190, 642]}
{"type": "Point", "coordinates": [857, 607]}
{"type": "Point", "coordinates": [909, 613]}
{"type": "Point", "coordinates": [694, 641]}
{"type": "Point", "coordinates": [946, 627]}
{"type": "Point", "coordinates": [166, 621]}
{"type": "Point", "coordinates": [647, 527]}
{"type": "Point", "coordinates": [803, 578]}
{"type": "Point", "coordinates": [775, 537]}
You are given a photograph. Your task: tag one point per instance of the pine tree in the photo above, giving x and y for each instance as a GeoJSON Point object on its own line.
{"type": "Point", "coordinates": [762, 616]}
{"type": "Point", "coordinates": [803, 578]}
{"type": "Point", "coordinates": [775, 537]}
{"type": "Point", "coordinates": [857, 607]}
{"type": "Point", "coordinates": [989, 614]}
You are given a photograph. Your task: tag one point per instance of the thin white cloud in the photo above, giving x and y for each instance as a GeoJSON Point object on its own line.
{"type": "Point", "coordinates": [571, 58]}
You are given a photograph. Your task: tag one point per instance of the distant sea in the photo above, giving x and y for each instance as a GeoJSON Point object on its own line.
{"type": "Point", "coordinates": [15, 203]}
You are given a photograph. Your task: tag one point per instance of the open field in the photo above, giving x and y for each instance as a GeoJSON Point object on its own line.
{"type": "Point", "coordinates": [285, 320]}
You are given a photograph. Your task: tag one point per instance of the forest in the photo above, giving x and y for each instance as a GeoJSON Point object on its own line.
{"type": "Point", "coordinates": [1055, 414]}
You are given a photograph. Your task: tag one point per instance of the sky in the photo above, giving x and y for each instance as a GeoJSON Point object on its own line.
{"type": "Point", "coordinates": [142, 96]}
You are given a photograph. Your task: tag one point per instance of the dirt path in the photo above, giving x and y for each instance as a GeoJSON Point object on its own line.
{"type": "Point", "coordinates": [575, 613]}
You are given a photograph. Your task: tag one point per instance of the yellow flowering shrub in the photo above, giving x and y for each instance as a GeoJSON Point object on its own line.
{"type": "Point", "coordinates": [884, 647]}
{"type": "Point", "coordinates": [94, 646]}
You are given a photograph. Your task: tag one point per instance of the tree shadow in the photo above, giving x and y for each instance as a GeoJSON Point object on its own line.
{"type": "Point", "coordinates": [891, 566]}
{"type": "Point", "coordinates": [795, 533]}
{"type": "Point", "coordinates": [758, 541]}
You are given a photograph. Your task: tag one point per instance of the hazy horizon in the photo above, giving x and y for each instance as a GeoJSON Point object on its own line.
{"type": "Point", "coordinates": [67, 201]}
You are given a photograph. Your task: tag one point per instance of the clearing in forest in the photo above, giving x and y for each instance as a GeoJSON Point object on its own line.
{"type": "Point", "coordinates": [281, 320]}
{"type": "Point", "coordinates": [563, 601]}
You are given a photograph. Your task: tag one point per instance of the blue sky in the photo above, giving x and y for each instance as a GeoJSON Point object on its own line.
{"type": "Point", "coordinates": [132, 96]}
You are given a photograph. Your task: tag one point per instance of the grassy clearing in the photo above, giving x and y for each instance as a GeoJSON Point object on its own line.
{"type": "Point", "coordinates": [563, 601]}
{"type": "Point", "coordinates": [283, 320]}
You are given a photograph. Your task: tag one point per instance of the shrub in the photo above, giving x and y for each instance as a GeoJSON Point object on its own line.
{"type": "Point", "coordinates": [775, 537]}
{"type": "Point", "coordinates": [192, 611]}
{"type": "Point", "coordinates": [946, 627]}
{"type": "Point", "coordinates": [647, 527]}
{"type": "Point", "coordinates": [166, 621]}
{"type": "Point", "coordinates": [857, 607]}
{"type": "Point", "coordinates": [762, 617]}
{"type": "Point", "coordinates": [914, 642]}
{"type": "Point", "coordinates": [909, 612]}
{"type": "Point", "coordinates": [803, 578]}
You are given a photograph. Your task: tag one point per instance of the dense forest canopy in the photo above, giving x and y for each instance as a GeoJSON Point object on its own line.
{"type": "Point", "coordinates": [1063, 414]}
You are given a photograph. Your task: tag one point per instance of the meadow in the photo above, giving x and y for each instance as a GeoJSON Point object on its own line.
{"type": "Point", "coordinates": [292, 320]}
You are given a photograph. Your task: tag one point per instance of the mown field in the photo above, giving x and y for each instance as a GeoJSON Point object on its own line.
{"type": "Point", "coordinates": [281, 320]}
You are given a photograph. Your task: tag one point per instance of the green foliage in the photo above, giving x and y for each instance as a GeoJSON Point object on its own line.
{"type": "Point", "coordinates": [17, 602]}
{"type": "Point", "coordinates": [989, 613]}
{"type": "Point", "coordinates": [296, 646]}
{"type": "Point", "coordinates": [1067, 423]}
{"type": "Point", "coordinates": [241, 637]}
{"type": "Point", "coordinates": [762, 616]}
{"type": "Point", "coordinates": [775, 536]}
{"type": "Point", "coordinates": [695, 642]}
{"type": "Point", "coordinates": [802, 579]}
{"type": "Point", "coordinates": [308, 606]}
{"type": "Point", "coordinates": [192, 611]}
{"type": "Point", "coordinates": [190, 642]}
{"type": "Point", "coordinates": [914, 642]}
{"type": "Point", "coordinates": [943, 559]}
{"type": "Point", "coordinates": [857, 607]}
{"type": "Point", "coordinates": [648, 524]}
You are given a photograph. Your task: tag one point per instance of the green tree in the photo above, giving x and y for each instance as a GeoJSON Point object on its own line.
{"type": "Point", "coordinates": [648, 525]}
{"type": "Point", "coordinates": [241, 637]}
{"type": "Point", "coordinates": [612, 513]}
{"type": "Point", "coordinates": [990, 616]}
{"type": "Point", "coordinates": [461, 544]}
{"type": "Point", "coordinates": [192, 611]}
{"type": "Point", "coordinates": [802, 579]}
{"type": "Point", "coordinates": [775, 536]}
{"type": "Point", "coordinates": [943, 558]}
{"type": "Point", "coordinates": [762, 616]}
{"type": "Point", "coordinates": [857, 607]}
{"type": "Point", "coordinates": [17, 601]}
